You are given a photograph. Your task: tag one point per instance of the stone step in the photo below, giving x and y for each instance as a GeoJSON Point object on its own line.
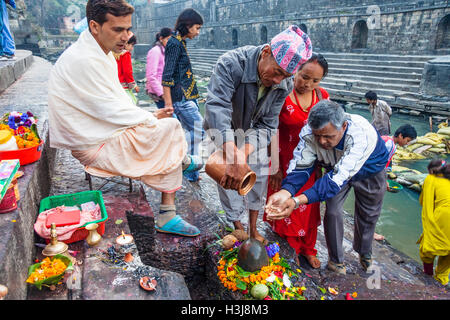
{"type": "Point", "coordinates": [408, 87]}
{"type": "Point", "coordinates": [101, 277]}
{"type": "Point", "coordinates": [12, 70]}
{"type": "Point", "coordinates": [370, 67]}
{"type": "Point", "coordinates": [410, 63]}
{"type": "Point", "coordinates": [123, 283]}
{"type": "Point", "coordinates": [383, 74]}
{"type": "Point", "coordinates": [358, 77]}
{"type": "Point", "coordinates": [380, 57]}
{"type": "Point", "coordinates": [334, 55]}
{"type": "Point", "coordinates": [356, 88]}
{"type": "Point", "coordinates": [356, 65]}
{"type": "Point", "coordinates": [407, 101]}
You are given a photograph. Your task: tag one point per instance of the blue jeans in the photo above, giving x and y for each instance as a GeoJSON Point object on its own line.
{"type": "Point", "coordinates": [191, 120]}
{"type": "Point", "coordinates": [7, 45]}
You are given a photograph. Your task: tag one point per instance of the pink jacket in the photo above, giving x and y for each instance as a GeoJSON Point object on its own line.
{"type": "Point", "coordinates": [154, 71]}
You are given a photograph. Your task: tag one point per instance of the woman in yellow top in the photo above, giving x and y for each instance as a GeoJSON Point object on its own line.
{"type": "Point", "coordinates": [435, 239]}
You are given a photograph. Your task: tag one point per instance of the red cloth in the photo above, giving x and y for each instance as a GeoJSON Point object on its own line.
{"type": "Point", "coordinates": [300, 228]}
{"type": "Point", "coordinates": [125, 68]}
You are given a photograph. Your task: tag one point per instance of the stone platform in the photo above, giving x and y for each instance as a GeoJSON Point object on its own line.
{"type": "Point", "coordinates": [10, 71]}
{"type": "Point", "coordinates": [185, 267]}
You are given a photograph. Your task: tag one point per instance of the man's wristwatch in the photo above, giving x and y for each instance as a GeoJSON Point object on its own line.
{"type": "Point", "coordinates": [296, 201]}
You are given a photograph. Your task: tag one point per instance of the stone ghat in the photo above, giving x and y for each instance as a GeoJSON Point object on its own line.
{"type": "Point", "coordinates": [186, 268]}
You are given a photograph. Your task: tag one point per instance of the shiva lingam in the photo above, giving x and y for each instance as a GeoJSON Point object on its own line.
{"type": "Point", "coordinates": [94, 237]}
{"type": "Point", "coordinates": [252, 255]}
{"type": "Point", "coordinates": [55, 247]}
{"type": "Point", "coordinates": [215, 168]}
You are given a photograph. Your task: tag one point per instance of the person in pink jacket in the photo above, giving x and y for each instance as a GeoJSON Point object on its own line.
{"type": "Point", "coordinates": [155, 67]}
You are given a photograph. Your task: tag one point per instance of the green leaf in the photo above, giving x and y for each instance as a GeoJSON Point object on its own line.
{"type": "Point", "coordinates": [283, 263]}
{"type": "Point", "coordinates": [241, 284]}
{"type": "Point", "coordinates": [119, 221]}
{"type": "Point", "coordinates": [242, 272]}
{"type": "Point", "coordinates": [323, 290]}
{"type": "Point", "coordinates": [33, 129]}
{"type": "Point", "coordinates": [227, 254]}
{"type": "Point", "coordinates": [221, 212]}
{"type": "Point", "coordinates": [229, 229]}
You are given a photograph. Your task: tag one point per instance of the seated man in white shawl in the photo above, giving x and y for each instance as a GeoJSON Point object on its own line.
{"type": "Point", "coordinates": [91, 115]}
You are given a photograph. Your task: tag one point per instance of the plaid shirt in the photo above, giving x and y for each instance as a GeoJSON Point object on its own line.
{"type": "Point", "coordinates": [177, 70]}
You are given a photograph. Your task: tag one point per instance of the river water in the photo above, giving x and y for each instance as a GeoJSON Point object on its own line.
{"type": "Point", "coordinates": [400, 220]}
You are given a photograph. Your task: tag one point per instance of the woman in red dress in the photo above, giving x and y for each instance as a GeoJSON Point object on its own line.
{"type": "Point", "coordinates": [300, 228]}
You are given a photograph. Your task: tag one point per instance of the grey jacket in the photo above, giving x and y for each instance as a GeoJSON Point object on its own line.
{"type": "Point", "coordinates": [232, 104]}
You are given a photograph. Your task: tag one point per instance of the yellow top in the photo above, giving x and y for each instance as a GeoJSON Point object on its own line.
{"type": "Point", "coordinates": [5, 135]}
{"type": "Point", "coordinates": [435, 201]}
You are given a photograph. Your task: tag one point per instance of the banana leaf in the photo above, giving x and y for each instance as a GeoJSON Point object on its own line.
{"type": "Point", "coordinates": [51, 280]}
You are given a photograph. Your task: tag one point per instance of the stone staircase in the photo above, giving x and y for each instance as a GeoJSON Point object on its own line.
{"type": "Point", "coordinates": [395, 78]}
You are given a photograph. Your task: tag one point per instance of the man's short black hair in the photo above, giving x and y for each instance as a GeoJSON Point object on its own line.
{"type": "Point", "coordinates": [371, 95]}
{"type": "Point", "coordinates": [407, 131]}
{"type": "Point", "coordinates": [98, 9]}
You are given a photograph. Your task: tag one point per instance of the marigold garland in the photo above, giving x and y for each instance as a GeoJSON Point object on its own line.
{"type": "Point", "coordinates": [276, 275]}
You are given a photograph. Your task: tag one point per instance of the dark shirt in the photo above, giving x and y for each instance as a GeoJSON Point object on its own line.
{"type": "Point", "coordinates": [177, 70]}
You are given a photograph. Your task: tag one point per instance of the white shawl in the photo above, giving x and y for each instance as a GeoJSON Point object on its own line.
{"type": "Point", "coordinates": [86, 103]}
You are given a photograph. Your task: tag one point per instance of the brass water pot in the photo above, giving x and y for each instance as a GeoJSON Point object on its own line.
{"type": "Point", "coordinates": [215, 168]}
{"type": "Point", "coordinates": [93, 237]}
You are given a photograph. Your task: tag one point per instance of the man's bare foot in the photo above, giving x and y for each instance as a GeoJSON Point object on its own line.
{"type": "Point", "coordinates": [256, 235]}
{"type": "Point", "coordinates": [238, 225]}
{"type": "Point", "coordinates": [378, 237]}
{"type": "Point", "coordinates": [313, 261]}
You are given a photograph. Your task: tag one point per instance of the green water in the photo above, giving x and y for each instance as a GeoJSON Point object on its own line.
{"type": "Point", "coordinates": [400, 220]}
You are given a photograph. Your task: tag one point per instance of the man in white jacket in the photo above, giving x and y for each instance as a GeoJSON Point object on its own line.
{"type": "Point", "coordinates": [354, 156]}
{"type": "Point", "coordinates": [91, 115]}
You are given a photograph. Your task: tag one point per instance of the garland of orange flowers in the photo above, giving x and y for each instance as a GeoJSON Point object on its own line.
{"type": "Point", "coordinates": [47, 269]}
{"type": "Point", "coordinates": [234, 278]}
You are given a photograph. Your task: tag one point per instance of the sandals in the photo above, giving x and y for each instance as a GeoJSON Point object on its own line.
{"type": "Point", "coordinates": [179, 227]}
{"type": "Point", "coordinates": [365, 260]}
{"type": "Point", "coordinates": [337, 267]}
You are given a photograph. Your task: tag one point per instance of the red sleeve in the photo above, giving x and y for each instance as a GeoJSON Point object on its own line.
{"type": "Point", "coordinates": [127, 68]}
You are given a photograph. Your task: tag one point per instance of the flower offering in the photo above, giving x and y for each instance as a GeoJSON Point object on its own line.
{"type": "Point", "coordinates": [23, 127]}
{"type": "Point", "coordinates": [271, 282]}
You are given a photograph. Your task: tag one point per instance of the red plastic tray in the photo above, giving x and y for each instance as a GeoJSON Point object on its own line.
{"type": "Point", "coordinates": [25, 156]}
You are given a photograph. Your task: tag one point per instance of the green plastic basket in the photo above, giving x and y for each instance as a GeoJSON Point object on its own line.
{"type": "Point", "coordinates": [76, 199]}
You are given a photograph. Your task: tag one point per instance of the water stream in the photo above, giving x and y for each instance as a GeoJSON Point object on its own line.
{"type": "Point", "coordinates": [400, 220]}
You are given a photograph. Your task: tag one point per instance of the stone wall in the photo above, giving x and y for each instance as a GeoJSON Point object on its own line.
{"type": "Point", "coordinates": [392, 26]}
